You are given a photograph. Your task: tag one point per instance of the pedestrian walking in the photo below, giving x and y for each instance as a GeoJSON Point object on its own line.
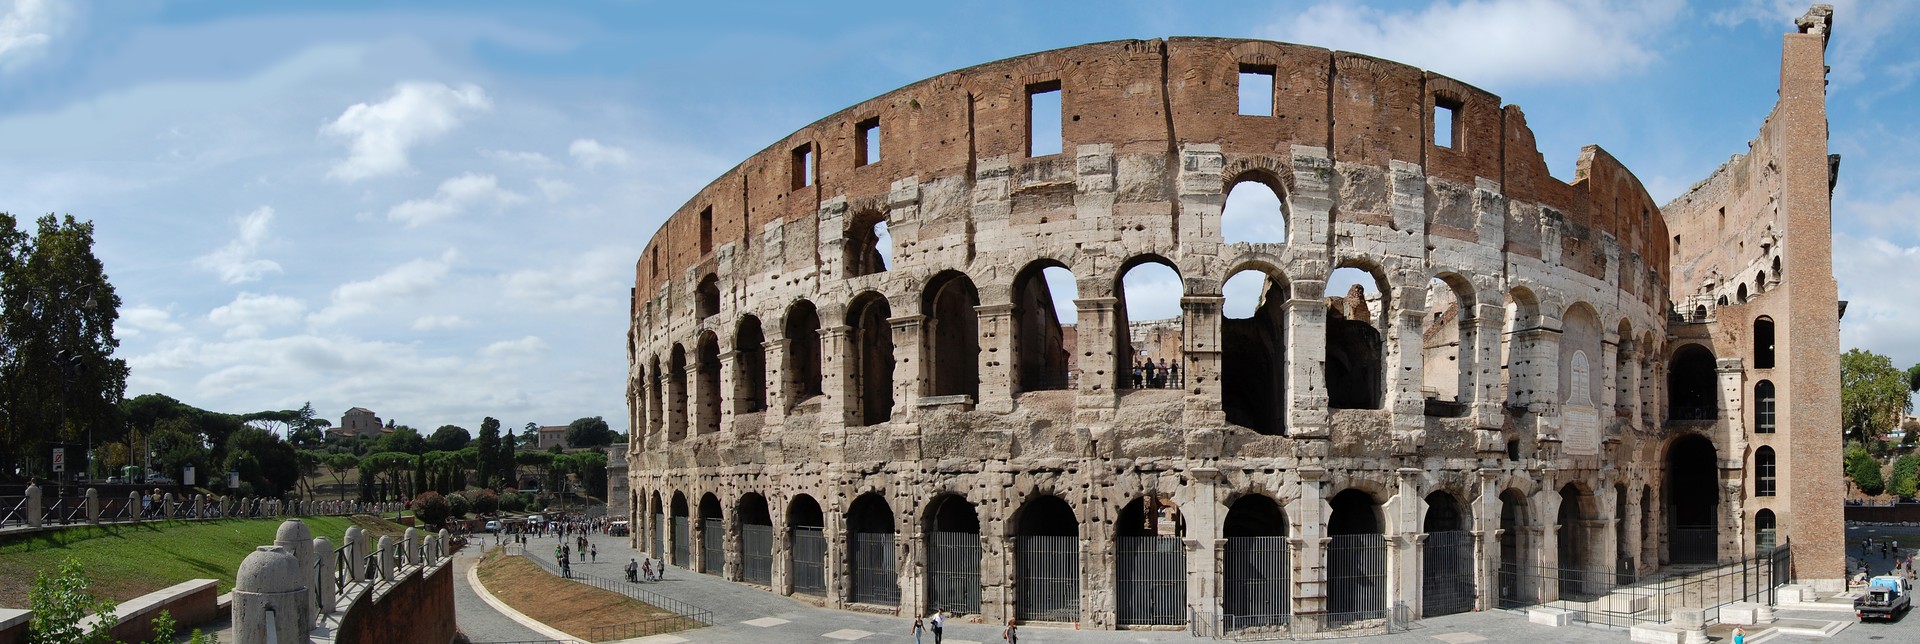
{"type": "Point", "coordinates": [1011, 635]}
{"type": "Point", "coordinates": [633, 570]}
{"type": "Point", "coordinates": [918, 628]}
{"type": "Point", "coordinates": [939, 623]}
{"type": "Point", "coordinates": [647, 569]}
{"type": "Point", "coordinates": [1739, 635]}
{"type": "Point", "coordinates": [595, 551]}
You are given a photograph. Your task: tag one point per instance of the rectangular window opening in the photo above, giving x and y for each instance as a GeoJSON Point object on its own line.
{"type": "Point", "coordinates": [867, 142]}
{"type": "Point", "coordinates": [1446, 124]}
{"type": "Point", "coordinates": [803, 166]}
{"type": "Point", "coordinates": [1043, 119]}
{"type": "Point", "coordinates": [1256, 90]}
{"type": "Point", "coordinates": [706, 230]}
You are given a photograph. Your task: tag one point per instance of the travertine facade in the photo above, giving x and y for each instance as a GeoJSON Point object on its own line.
{"type": "Point", "coordinates": [891, 426]}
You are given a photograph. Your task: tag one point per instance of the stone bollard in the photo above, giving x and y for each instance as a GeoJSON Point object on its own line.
{"type": "Point", "coordinates": [33, 506]}
{"type": "Point", "coordinates": [355, 551]}
{"type": "Point", "coordinates": [413, 546]}
{"type": "Point", "coordinates": [323, 553]}
{"type": "Point", "coordinates": [446, 543]}
{"type": "Point", "coordinates": [93, 506]}
{"type": "Point", "coordinates": [168, 504]}
{"type": "Point", "coordinates": [270, 602]}
{"type": "Point", "coordinates": [386, 558]}
{"type": "Point", "coordinates": [199, 506]}
{"type": "Point", "coordinates": [363, 548]}
{"type": "Point", "coordinates": [298, 540]}
{"type": "Point", "coordinates": [133, 507]}
{"type": "Point", "coordinates": [1692, 624]}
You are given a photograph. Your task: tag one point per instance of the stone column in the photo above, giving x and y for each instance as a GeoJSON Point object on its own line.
{"type": "Point", "coordinates": [324, 575]}
{"type": "Point", "coordinates": [910, 365]}
{"type": "Point", "coordinates": [270, 601]}
{"type": "Point", "coordinates": [837, 377]}
{"type": "Point", "coordinates": [1095, 363]}
{"type": "Point", "coordinates": [728, 388]}
{"type": "Point", "coordinates": [133, 506]}
{"type": "Point", "coordinates": [1309, 541]}
{"type": "Point", "coordinates": [999, 359]}
{"type": "Point", "coordinates": [1306, 357]}
{"type": "Point", "coordinates": [1486, 538]}
{"type": "Point", "coordinates": [93, 506]}
{"type": "Point", "coordinates": [168, 507]}
{"type": "Point", "coordinates": [777, 391]}
{"type": "Point", "coordinates": [294, 538]}
{"type": "Point", "coordinates": [1204, 544]}
{"type": "Point", "coordinates": [1200, 349]}
{"type": "Point", "coordinates": [356, 541]}
{"type": "Point", "coordinates": [1489, 392]}
{"type": "Point", "coordinates": [1405, 540]}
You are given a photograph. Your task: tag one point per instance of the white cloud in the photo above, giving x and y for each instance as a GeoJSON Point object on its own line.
{"type": "Point", "coordinates": [454, 197]}
{"type": "Point", "coordinates": [591, 153]}
{"type": "Point", "coordinates": [580, 283]}
{"type": "Point", "coordinates": [411, 279]}
{"type": "Point", "coordinates": [514, 350]}
{"type": "Point", "coordinates": [249, 314]}
{"type": "Point", "coordinates": [235, 262]}
{"type": "Point", "coordinates": [137, 320]}
{"type": "Point", "coordinates": [554, 189]}
{"type": "Point", "coordinates": [1484, 42]}
{"type": "Point", "coordinates": [528, 159]}
{"type": "Point", "coordinates": [381, 133]}
{"type": "Point", "coordinates": [438, 322]}
{"type": "Point", "coordinates": [27, 31]}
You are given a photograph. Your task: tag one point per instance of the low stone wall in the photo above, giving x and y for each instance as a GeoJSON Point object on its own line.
{"type": "Point", "coordinates": [416, 608]}
{"type": "Point", "coordinates": [13, 625]}
{"type": "Point", "coordinates": [1901, 513]}
{"type": "Point", "coordinates": [190, 603]}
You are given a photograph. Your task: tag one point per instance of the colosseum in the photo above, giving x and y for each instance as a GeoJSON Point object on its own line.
{"type": "Point", "coordinates": [900, 360]}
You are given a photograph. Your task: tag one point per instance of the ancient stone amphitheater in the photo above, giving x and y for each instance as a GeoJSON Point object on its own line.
{"type": "Point", "coordinates": [896, 362]}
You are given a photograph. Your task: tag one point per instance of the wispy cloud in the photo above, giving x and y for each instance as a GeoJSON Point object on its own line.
{"type": "Point", "coordinates": [591, 154]}
{"type": "Point", "coordinates": [454, 197]}
{"type": "Point", "coordinates": [411, 279]}
{"type": "Point", "coordinates": [27, 30]}
{"type": "Point", "coordinates": [380, 134]}
{"type": "Point", "coordinates": [250, 314]}
{"type": "Point", "coordinates": [235, 262]}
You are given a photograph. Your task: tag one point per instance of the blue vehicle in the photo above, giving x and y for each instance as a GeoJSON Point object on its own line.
{"type": "Point", "coordinates": [1887, 597]}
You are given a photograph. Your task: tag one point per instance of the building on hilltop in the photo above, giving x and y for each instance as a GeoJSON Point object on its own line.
{"type": "Point", "coordinates": [552, 435]}
{"type": "Point", "coordinates": [1550, 389]}
{"type": "Point", "coordinates": [358, 422]}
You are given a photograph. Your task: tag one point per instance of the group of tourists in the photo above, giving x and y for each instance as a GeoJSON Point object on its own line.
{"type": "Point", "coordinates": [1147, 375]}
{"type": "Point", "coordinates": [937, 623]}
{"type": "Point", "coordinates": [1903, 563]}
{"type": "Point", "coordinates": [643, 569]}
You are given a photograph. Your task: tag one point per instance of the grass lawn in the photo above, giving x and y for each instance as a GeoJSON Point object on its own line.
{"type": "Point", "coordinates": [130, 560]}
{"type": "Point", "coordinates": [570, 606]}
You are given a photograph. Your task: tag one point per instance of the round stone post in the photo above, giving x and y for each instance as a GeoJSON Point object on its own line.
{"type": "Point", "coordinates": [294, 536]}
{"type": "Point", "coordinates": [323, 576]}
{"type": "Point", "coordinates": [133, 506]}
{"type": "Point", "coordinates": [446, 543]}
{"type": "Point", "coordinates": [168, 500]}
{"type": "Point", "coordinates": [93, 506]}
{"type": "Point", "coordinates": [356, 549]}
{"type": "Point", "coordinates": [199, 506]}
{"type": "Point", "coordinates": [386, 558]}
{"type": "Point", "coordinates": [33, 505]}
{"type": "Point", "coordinates": [413, 546]}
{"type": "Point", "coordinates": [269, 597]}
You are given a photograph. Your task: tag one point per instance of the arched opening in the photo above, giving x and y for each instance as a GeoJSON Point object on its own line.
{"type": "Point", "coordinates": [656, 407]}
{"type": "Point", "coordinates": [1259, 569]}
{"type": "Point", "coordinates": [1764, 482]}
{"type": "Point", "coordinates": [706, 409]}
{"type": "Point", "coordinates": [1763, 343]}
{"type": "Point", "coordinates": [749, 367]}
{"type": "Point", "coordinates": [1356, 355]}
{"type": "Point", "coordinates": [1692, 501]}
{"type": "Point", "coordinates": [1253, 373]}
{"type": "Point", "coordinates": [682, 533]}
{"type": "Point", "coordinates": [1741, 293]}
{"type": "Point", "coordinates": [1515, 578]}
{"type": "Point", "coordinates": [1700, 313]}
{"type": "Point", "coordinates": [870, 349]}
{"type": "Point", "coordinates": [1622, 553]}
{"type": "Point", "coordinates": [677, 394]}
{"type": "Point", "coordinates": [1624, 371]}
{"type": "Point", "coordinates": [658, 528]}
{"type": "Point", "coordinates": [1692, 385]}
{"type": "Point", "coordinates": [953, 555]}
{"type": "Point", "coordinates": [1046, 561]}
{"type": "Point", "coordinates": [1041, 318]}
{"type": "Point", "coordinates": [1447, 563]}
{"type": "Point", "coordinates": [952, 335]}
{"type": "Point", "coordinates": [1446, 346]}
{"type": "Point", "coordinates": [1150, 563]}
{"type": "Point", "coordinates": [706, 297]}
{"type": "Point", "coordinates": [1149, 332]}
{"type": "Point", "coordinates": [1356, 559]}
{"type": "Point", "coordinates": [802, 368]}
{"type": "Point", "coordinates": [1521, 337]}
{"type": "Point", "coordinates": [1254, 212]}
{"type": "Point", "coordinates": [1722, 301]}
{"type": "Point", "coordinates": [807, 546]}
{"type": "Point", "coordinates": [870, 547]}
{"type": "Point", "coordinates": [756, 539]}
{"type": "Point", "coordinates": [1776, 269]}
{"type": "Point", "coordinates": [869, 246]}
{"type": "Point", "coordinates": [1763, 407]}
{"type": "Point", "coordinates": [1764, 532]}
{"type": "Point", "coordinates": [1574, 540]}
{"type": "Point", "coordinates": [713, 533]}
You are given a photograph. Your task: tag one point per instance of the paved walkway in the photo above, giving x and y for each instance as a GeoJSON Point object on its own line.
{"type": "Point", "coordinates": [743, 614]}
{"type": "Point", "coordinates": [476, 618]}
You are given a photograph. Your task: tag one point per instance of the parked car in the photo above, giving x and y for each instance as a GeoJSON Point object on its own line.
{"type": "Point", "coordinates": [159, 479]}
{"type": "Point", "coordinates": [116, 480]}
{"type": "Point", "coordinates": [493, 526]}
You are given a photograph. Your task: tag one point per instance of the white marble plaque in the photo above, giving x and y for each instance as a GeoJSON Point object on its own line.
{"type": "Point", "coordinates": [1579, 421]}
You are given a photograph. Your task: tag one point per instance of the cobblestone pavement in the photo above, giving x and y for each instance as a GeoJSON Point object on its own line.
{"type": "Point", "coordinates": [743, 614]}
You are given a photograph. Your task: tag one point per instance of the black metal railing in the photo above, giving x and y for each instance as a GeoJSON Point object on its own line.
{"type": "Point", "coordinates": [631, 589]}
{"type": "Point", "coordinates": [656, 626]}
{"type": "Point", "coordinates": [1620, 598]}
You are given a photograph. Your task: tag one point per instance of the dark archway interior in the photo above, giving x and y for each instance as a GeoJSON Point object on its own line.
{"type": "Point", "coordinates": [804, 512]}
{"type": "Point", "coordinates": [1151, 517]}
{"type": "Point", "coordinates": [706, 300]}
{"type": "Point", "coordinates": [1692, 500]}
{"type": "Point", "coordinates": [1763, 343]}
{"type": "Point", "coordinates": [753, 510]}
{"type": "Point", "coordinates": [679, 505]}
{"type": "Point", "coordinates": [870, 515]}
{"type": "Point", "coordinates": [1355, 358]}
{"type": "Point", "coordinates": [677, 394]}
{"type": "Point", "coordinates": [872, 343]}
{"type": "Point", "coordinates": [707, 398]}
{"type": "Point", "coordinates": [750, 365]}
{"type": "Point", "coordinates": [803, 352]}
{"type": "Point", "coordinates": [952, 513]}
{"type": "Point", "coordinates": [1692, 385]}
{"type": "Point", "coordinates": [864, 256]}
{"type": "Point", "coordinates": [1254, 515]}
{"type": "Point", "coordinates": [1253, 392]}
{"type": "Point", "coordinates": [1038, 335]}
{"type": "Point", "coordinates": [1047, 516]}
{"type": "Point", "coordinates": [954, 335]}
{"type": "Point", "coordinates": [709, 507]}
{"type": "Point", "coordinates": [1354, 512]}
{"type": "Point", "coordinates": [1443, 513]}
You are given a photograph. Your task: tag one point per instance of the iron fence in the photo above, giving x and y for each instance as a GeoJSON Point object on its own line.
{"type": "Point", "coordinates": [1259, 586]}
{"type": "Point", "coordinates": [1621, 599]}
{"type": "Point", "coordinates": [13, 510]}
{"type": "Point", "coordinates": [1046, 578]}
{"type": "Point", "coordinates": [874, 579]}
{"type": "Point", "coordinates": [643, 628]}
{"type": "Point", "coordinates": [953, 571]}
{"type": "Point", "coordinates": [682, 542]}
{"type": "Point", "coordinates": [1280, 626]}
{"type": "Point", "coordinates": [1446, 577]}
{"type": "Point", "coordinates": [117, 510]}
{"type": "Point", "coordinates": [659, 537]}
{"type": "Point", "coordinates": [1356, 577]}
{"type": "Point", "coordinates": [1152, 575]}
{"type": "Point", "coordinates": [712, 558]}
{"type": "Point", "coordinates": [756, 554]}
{"type": "Point", "coordinates": [630, 589]}
{"type": "Point", "coordinates": [809, 567]}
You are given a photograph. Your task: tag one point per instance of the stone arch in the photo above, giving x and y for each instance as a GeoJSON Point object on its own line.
{"type": "Point", "coordinates": [867, 243]}
{"type": "Point", "coordinates": [1763, 342]}
{"type": "Point", "coordinates": [677, 394]}
{"type": "Point", "coordinates": [749, 367]}
{"type": "Point", "coordinates": [869, 359]}
{"type": "Point", "coordinates": [1765, 531]}
{"type": "Point", "coordinates": [1517, 576]}
{"type": "Point", "coordinates": [801, 373]}
{"type": "Point", "coordinates": [952, 525]}
{"type": "Point", "coordinates": [1166, 345]}
{"type": "Point", "coordinates": [806, 545]}
{"type": "Point", "coordinates": [682, 531]}
{"type": "Point", "coordinates": [706, 393]}
{"type": "Point", "coordinates": [1448, 337]}
{"type": "Point", "coordinates": [706, 297]}
{"type": "Point", "coordinates": [1356, 349]}
{"type": "Point", "coordinates": [1046, 560]}
{"type": "Point", "coordinates": [1693, 384]}
{"type": "Point", "coordinates": [1692, 499]}
{"type": "Point", "coordinates": [1257, 578]}
{"type": "Point", "coordinates": [711, 533]}
{"type": "Point", "coordinates": [1042, 360]}
{"type": "Point", "coordinates": [1244, 217]}
{"type": "Point", "coordinates": [1253, 374]}
{"type": "Point", "coordinates": [952, 336]}
{"type": "Point", "coordinates": [1578, 508]}
{"type": "Point", "coordinates": [871, 549]}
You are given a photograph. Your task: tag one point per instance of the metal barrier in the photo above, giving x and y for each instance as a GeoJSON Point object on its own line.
{"type": "Point", "coordinates": [13, 510]}
{"type": "Point", "coordinates": [655, 626]}
{"type": "Point", "coordinates": [1152, 574]}
{"type": "Point", "coordinates": [1279, 626]}
{"type": "Point", "coordinates": [630, 589]}
{"type": "Point", "coordinates": [1046, 578]}
{"type": "Point", "coordinates": [1622, 599]}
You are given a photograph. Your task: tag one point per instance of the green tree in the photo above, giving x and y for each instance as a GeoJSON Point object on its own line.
{"type": "Point", "coordinates": [458, 506]}
{"type": "Point", "coordinates": [449, 438]}
{"type": "Point", "coordinates": [489, 445]}
{"type": "Point", "coordinates": [1864, 469]}
{"type": "Point", "coordinates": [57, 370]}
{"type": "Point", "coordinates": [589, 432]}
{"type": "Point", "coordinates": [431, 508]}
{"type": "Point", "coordinates": [1873, 394]}
{"type": "Point", "coordinates": [486, 502]}
{"type": "Point", "coordinates": [268, 465]}
{"type": "Point", "coordinates": [509, 465]}
{"type": "Point", "coordinates": [402, 439]}
{"type": "Point", "coordinates": [1906, 476]}
{"type": "Point", "coordinates": [387, 468]}
{"type": "Point", "coordinates": [309, 429]}
{"type": "Point", "coordinates": [339, 465]}
{"type": "Point", "coordinates": [591, 470]}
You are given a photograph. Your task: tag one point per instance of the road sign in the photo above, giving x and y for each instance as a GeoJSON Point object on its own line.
{"type": "Point", "coordinates": [59, 460]}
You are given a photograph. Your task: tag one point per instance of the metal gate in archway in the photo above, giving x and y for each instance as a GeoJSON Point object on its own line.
{"type": "Point", "coordinates": [1446, 577]}
{"type": "Point", "coordinates": [1046, 578]}
{"type": "Point", "coordinates": [682, 541]}
{"type": "Point", "coordinates": [809, 560]}
{"type": "Point", "coordinates": [1356, 578]}
{"type": "Point", "coordinates": [953, 571]}
{"type": "Point", "coordinates": [1259, 588]}
{"type": "Point", "coordinates": [756, 554]}
{"type": "Point", "coordinates": [874, 579]}
{"type": "Point", "coordinates": [659, 536]}
{"type": "Point", "coordinates": [1152, 578]}
{"type": "Point", "coordinates": [712, 560]}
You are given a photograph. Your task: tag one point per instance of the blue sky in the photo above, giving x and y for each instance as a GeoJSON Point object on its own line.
{"type": "Point", "coordinates": [432, 209]}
